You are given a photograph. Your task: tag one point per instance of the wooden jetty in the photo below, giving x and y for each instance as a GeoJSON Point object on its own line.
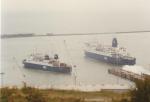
{"type": "Point", "coordinates": [127, 74]}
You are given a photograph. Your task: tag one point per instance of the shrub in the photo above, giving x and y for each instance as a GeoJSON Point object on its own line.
{"type": "Point", "coordinates": [142, 91]}
{"type": "Point", "coordinates": [33, 94]}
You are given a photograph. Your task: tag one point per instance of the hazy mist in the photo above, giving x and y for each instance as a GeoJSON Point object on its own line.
{"type": "Point", "coordinates": [74, 16]}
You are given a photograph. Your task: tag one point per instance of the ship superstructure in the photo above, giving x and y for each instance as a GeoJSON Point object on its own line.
{"type": "Point", "coordinates": [109, 53]}
{"type": "Point", "coordinates": [46, 63]}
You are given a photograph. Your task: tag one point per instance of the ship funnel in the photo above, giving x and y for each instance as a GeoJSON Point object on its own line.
{"type": "Point", "coordinates": [56, 56]}
{"type": "Point", "coordinates": [114, 42]}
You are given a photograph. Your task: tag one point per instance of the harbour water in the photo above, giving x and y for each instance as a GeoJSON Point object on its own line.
{"type": "Point", "coordinates": [70, 49]}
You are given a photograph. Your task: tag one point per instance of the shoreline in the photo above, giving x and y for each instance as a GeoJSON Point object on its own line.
{"type": "Point", "coordinates": [23, 35]}
{"type": "Point", "coordinates": [84, 88]}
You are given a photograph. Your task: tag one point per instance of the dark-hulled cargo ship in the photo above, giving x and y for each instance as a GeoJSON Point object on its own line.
{"type": "Point", "coordinates": [109, 53]}
{"type": "Point", "coordinates": [46, 63]}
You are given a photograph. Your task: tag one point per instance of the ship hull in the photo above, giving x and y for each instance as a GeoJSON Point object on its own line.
{"type": "Point", "coordinates": [112, 60]}
{"type": "Point", "coordinates": [47, 68]}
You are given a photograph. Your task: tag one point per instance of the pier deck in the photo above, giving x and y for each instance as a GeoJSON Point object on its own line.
{"type": "Point", "coordinates": [126, 74]}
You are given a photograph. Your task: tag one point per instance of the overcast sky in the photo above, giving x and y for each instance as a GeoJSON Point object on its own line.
{"type": "Point", "coordinates": [74, 16]}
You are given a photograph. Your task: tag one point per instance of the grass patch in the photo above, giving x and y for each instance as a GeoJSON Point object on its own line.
{"type": "Point", "coordinates": [30, 94]}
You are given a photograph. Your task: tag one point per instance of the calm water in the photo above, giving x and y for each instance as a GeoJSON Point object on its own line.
{"type": "Point", "coordinates": [88, 71]}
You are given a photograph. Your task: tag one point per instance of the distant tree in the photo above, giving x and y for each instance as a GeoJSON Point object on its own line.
{"type": "Point", "coordinates": [142, 91]}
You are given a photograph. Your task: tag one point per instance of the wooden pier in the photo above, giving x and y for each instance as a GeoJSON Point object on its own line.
{"type": "Point", "coordinates": [126, 74]}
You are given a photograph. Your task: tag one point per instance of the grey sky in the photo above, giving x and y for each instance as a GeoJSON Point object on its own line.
{"type": "Point", "coordinates": [74, 16]}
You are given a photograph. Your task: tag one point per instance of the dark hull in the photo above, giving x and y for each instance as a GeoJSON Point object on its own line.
{"type": "Point", "coordinates": [112, 60]}
{"type": "Point", "coordinates": [47, 68]}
